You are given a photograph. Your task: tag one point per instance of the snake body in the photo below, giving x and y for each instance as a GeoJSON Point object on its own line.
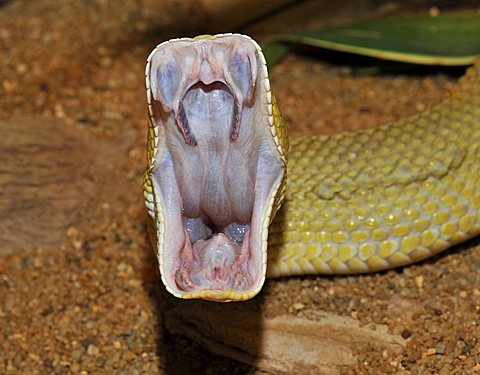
{"type": "Point", "coordinates": [383, 197]}
{"type": "Point", "coordinates": [372, 199]}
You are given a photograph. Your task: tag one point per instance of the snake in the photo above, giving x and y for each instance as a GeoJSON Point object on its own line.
{"type": "Point", "coordinates": [224, 183]}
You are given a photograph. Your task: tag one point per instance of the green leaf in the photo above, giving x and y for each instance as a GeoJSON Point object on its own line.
{"type": "Point", "coordinates": [447, 39]}
{"type": "Point", "coordinates": [274, 51]}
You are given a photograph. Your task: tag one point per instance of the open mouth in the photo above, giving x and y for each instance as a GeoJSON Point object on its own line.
{"type": "Point", "coordinates": [216, 171]}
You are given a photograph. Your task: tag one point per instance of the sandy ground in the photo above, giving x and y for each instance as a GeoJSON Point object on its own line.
{"type": "Point", "coordinates": [91, 301]}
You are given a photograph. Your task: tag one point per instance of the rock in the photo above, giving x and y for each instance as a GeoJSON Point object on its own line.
{"type": "Point", "coordinates": [284, 344]}
{"type": "Point", "coordinates": [52, 176]}
{"type": "Point", "coordinates": [43, 180]}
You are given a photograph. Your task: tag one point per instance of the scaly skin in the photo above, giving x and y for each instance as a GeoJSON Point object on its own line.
{"type": "Point", "coordinates": [384, 197]}
{"type": "Point", "coordinates": [369, 200]}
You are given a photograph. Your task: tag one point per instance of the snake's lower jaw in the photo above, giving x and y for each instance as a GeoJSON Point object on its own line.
{"type": "Point", "coordinates": [216, 263]}
{"type": "Point", "coordinates": [199, 259]}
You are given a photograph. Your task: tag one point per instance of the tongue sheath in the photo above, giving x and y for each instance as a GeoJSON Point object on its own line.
{"type": "Point", "coordinates": [217, 263]}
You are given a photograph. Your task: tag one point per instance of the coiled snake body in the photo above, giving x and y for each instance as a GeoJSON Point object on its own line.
{"type": "Point", "coordinates": [354, 202]}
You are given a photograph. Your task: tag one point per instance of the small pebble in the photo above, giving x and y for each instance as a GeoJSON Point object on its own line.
{"type": "Point", "coordinates": [298, 306]}
{"type": "Point", "coordinates": [419, 281]}
{"type": "Point", "coordinates": [72, 232]}
{"type": "Point", "coordinates": [440, 348]}
{"type": "Point", "coordinates": [429, 352]}
{"type": "Point", "coordinates": [129, 356]}
{"type": "Point", "coordinates": [93, 350]}
{"type": "Point", "coordinates": [406, 334]}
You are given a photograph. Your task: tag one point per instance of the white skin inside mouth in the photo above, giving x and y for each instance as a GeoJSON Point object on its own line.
{"type": "Point", "coordinates": [217, 194]}
{"type": "Point", "coordinates": [216, 168]}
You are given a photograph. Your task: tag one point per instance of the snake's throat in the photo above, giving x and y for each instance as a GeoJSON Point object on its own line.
{"type": "Point", "coordinates": [216, 171]}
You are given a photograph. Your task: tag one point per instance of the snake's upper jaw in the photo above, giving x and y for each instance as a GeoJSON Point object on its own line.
{"type": "Point", "coordinates": [217, 168]}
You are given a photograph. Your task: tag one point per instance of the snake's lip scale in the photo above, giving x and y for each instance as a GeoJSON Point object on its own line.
{"type": "Point", "coordinates": [220, 295]}
{"type": "Point", "coordinates": [357, 201]}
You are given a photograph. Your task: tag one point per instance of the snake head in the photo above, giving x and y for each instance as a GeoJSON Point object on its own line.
{"type": "Point", "coordinates": [216, 167]}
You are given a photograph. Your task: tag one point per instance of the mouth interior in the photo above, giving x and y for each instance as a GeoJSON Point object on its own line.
{"type": "Point", "coordinates": [216, 193]}
{"type": "Point", "coordinates": [216, 173]}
